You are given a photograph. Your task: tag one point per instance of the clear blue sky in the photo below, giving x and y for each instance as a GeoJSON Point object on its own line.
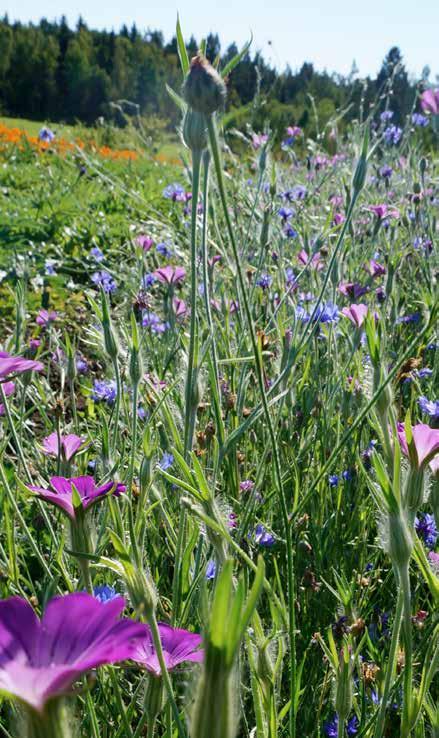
{"type": "Point", "coordinates": [330, 33]}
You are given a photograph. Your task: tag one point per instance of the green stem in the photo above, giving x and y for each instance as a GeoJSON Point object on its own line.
{"type": "Point", "coordinates": [391, 666]}
{"type": "Point", "coordinates": [408, 655]}
{"type": "Point", "coordinates": [152, 622]}
{"type": "Point", "coordinates": [340, 728]}
{"type": "Point", "coordinates": [260, 376]}
{"type": "Point", "coordinates": [133, 438]}
{"type": "Point", "coordinates": [52, 723]}
{"type": "Point", "coordinates": [117, 405]}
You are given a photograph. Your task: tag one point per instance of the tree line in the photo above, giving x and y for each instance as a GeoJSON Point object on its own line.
{"type": "Point", "coordinates": [49, 71]}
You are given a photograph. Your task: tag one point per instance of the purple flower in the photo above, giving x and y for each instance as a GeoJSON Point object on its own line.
{"type": "Point", "coordinates": [70, 445]}
{"type": "Point", "coordinates": [285, 213]}
{"type": "Point", "coordinates": [170, 274]}
{"type": "Point", "coordinates": [164, 250]}
{"type": "Point", "coordinates": [81, 365]}
{"type": "Point", "coordinates": [430, 101]}
{"type": "Point", "coordinates": [429, 407]}
{"type": "Point", "coordinates": [46, 135]}
{"type": "Point", "coordinates": [210, 572]}
{"type": "Point", "coordinates": [41, 659]}
{"type": "Point", "coordinates": [178, 646]}
{"type": "Point", "coordinates": [17, 365]}
{"type": "Point", "coordinates": [426, 529]}
{"type": "Point", "coordinates": [174, 192]}
{"type": "Point", "coordinates": [262, 537]}
{"type": "Point", "coordinates": [145, 242]}
{"type": "Point", "coordinates": [386, 171]}
{"type": "Point", "coordinates": [104, 390]}
{"type": "Point", "coordinates": [419, 120]}
{"type": "Point", "coordinates": [104, 593]}
{"type": "Point", "coordinates": [97, 254]}
{"type": "Point", "coordinates": [166, 461]}
{"type": "Point", "coordinates": [264, 281]}
{"type": "Point", "coordinates": [356, 314]}
{"type": "Point", "coordinates": [154, 323]}
{"type": "Point", "coordinates": [246, 485]}
{"type": "Point", "coordinates": [405, 319]}
{"type": "Point", "coordinates": [62, 490]}
{"type": "Point", "coordinates": [8, 389]}
{"type": "Point", "coordinates": [289, 232]}
{"type": "Point", "coordinates": [392, 135]}
{"type": "Point", "coordinates": [105, 280]}
{"type": "Point", "coordinates": [258, 140]}
{"type": "Point", "coordinates": [45, 317]}
{"type": "Point", "coordinates": [327, 313]}
{"type": "Point", "coordinates": [424, 445]}
{"type": "Point", "coordinates": [148, 280]}
{"type": "Point", "coordinates": [386, 115]}
{"type": "Point", "coordinates": [331, 727]}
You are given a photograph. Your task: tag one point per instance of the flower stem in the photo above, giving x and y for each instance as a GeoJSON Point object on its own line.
{"type": "Point", "coordinates": [408, 655]}
{"type": "Point", "coordinates": [213, 137]}
{"type": "Point", "coordinates": [391, 666]}
{"type": "Point", "coordinates": [152, 622]}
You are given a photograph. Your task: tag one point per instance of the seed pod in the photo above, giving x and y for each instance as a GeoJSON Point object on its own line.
{"type": "Point", "coordinates": [203, 88]}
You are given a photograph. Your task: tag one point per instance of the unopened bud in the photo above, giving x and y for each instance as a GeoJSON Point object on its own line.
{"type": "Point", "coordinates": [194, 130]}
{"type": "Point", "coordinates": [203, 88]}
{"type": "Point", "coordinates": [400, 541]}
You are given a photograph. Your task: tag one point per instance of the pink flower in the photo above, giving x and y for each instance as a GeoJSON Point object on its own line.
{"type": "Point", "coordinates": [314, 261]}
{"type": "Point", "coordinates": [180, 307]}
{"type": "Point", "coordinates": [430, 101]}
{"type": "Point", "coordinates": [375, 269]}
{"type": "Point", "coordinates": [424, 445]}
{"type": "Point", "coordinates": [170, 274]}
{"type": "Point", "coordinates": [353, 290]}
{"type": "Point", "coordinates": [383, 211]}
{"type": "Point", "coordinates": [70, 444]}
{"type": "Point", "coordinates": [45, 317]}
{"type": "Point", "coordinates": [434, 561]}
{"type": "Point", "coordinates": [356, 314]}
{"type": "Point", "coordinates": [294, 131]}
{"type": "Point", "coordinates": [145, 242]}
{"type": "Point", "coordinates": [339, 218]}
{"type": "Point", "coordinates": [8, 389]}
{"type": "Point", "coordinates": [62, 489]}
{"type": "Point", "coordinates": [178, 646]}
{"type": "Point", "coordinates": [17, 365]}
{"type": "Point", "coordinates": [258, 140]}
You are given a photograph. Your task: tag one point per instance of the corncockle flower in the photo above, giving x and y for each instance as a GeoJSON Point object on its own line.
{"type": "Point", "coordinates": [166, 461]}
{"type": "Point", "coordinates": [246, 485]}
{"type": "Point", "coordinates": [338, 218]}
{"type": "Point", "coordinates": [104, 593]}
{"type": "Point", "coordinates": [430, 101]}
{"type": "Point", "coordinates": [356, 314]}
{"type": "Point", "coordinates": [70, 445]}
{"type": "Point", "coordinates": [375, 269]}
{"type": "Point", "coordinates": [46, 135]}
{"type": "Point", "coordinates": [258, 140]}
{"type": "Point", "coordinates": [8, 389]}
{"type": "Point", "coordinates": [424, 446]}
{"type": "Point", "coordinates": [383, 211]}
{"type": "Point", "coordinates": [392, 135]}
{"type": "Point", "coordinates": [164, 249]}
{"type": "Point", "coordinates": [179, 307]}
{"type": "Point", "coordinates": [314, 260]}
{"type": "Point", "coordinates": [354, 290]}
{"type": "Point", "coordinates": [426, 529]}
{"type": "Point", "coordinates": [96, 254]}
{"type": "Point", "coordinates": [170, 274]}
{"type": "Point", "coordinates": [17, 365]}
{"type": "Point", "coordinates": [104, 390]}
{"type": "Point", "coordinates": [262, 537]}
{"type": "Point", "coordinates": [419, 120]}
{"type": "Point", "coordinates": [62, 490]}
{"type": "Point", "coordinates": [175, 192]}
{"type": "Point", "coordinates": [178, 646]}
{"type": "Point", "coordinates": [429, 407]}
{"type": "Point", "coordinates": [45, 317]}
{"type": "Point", "coordinates": [386, 115]}
{"type": "Point", "coordinates": [105, 280]}
{"type": "Point", "coordinates": [41, 659]}
{"type": "Point", "coordinates": [264, 281]}
{"type": "Point", "coordinates": [434, 562]}
{"type": "Point", "coordinates": [145, 242]}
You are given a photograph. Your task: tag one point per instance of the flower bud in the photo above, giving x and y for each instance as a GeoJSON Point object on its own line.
{"type": "Point", "coordinates": [194, 130]}
{"type": "Point", "coordinates": [400, 541]}
{"type": "Point", "coordinates": [414, 492]}
{"type": "Point", "coordinates": [343, 693]}
{"type": "Point", "coordinates": [203, 88]}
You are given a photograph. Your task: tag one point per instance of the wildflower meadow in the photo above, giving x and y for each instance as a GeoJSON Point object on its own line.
{"type": "Point", "coordinates": [219, 426]}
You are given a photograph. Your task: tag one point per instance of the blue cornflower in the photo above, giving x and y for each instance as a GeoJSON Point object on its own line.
{"type": "Point", "coordinates": [46, 135]}
{"type": "Point", "coordinates": [368, 567]}
{"type": "Point", "coordinates": [164, 249]}
{"type": "Point", "coordinates": [81, 365]}
{"type": "Point", "coordinates": [148, 280]}
{"type": "Point", "coordinates": [327, 313]}
{"type": "Point", "coordinates": [104, 593]}
{"type": "Point", "coordinates": [104, 390]}
{"type": "Point", "coordinates": [262, 537]}
{"type": "Point", "coordinates": [105, 280]}
{"type": "Point", "coordinates": [386, 171]}
{"type": "Point", "coordinates": [333, 480]}
{"type": "Point", "coordinates": [174, 192]}
{"type": "Point", "coordinates": [301, 314]}
{"type": "Point", "coordinates": [264, 281]}
{"type": "Point", "coordinates": [210, 572]}
{"type": "Point", "coordinates": [141, 412]}
{"type": "Point", "coordinates": [331, 727]}
{"type": "Point", "coordinates": [347, 475]}
{"type": "Point", "coordinates": [425, 372]}
{"type": "Point", "coordinates": [166, 461]}
{"type": "Point", "coordinates": [285, 213]}
{"type": "Point", "coordinates": [289, 232]}
{"type": "Point", "coordinates": [97, 254]}
{"type": "Point", "coordinates": [429, 407]}
{"type": "Point", "coordinates": [154, 323]}
{"type": "Point", "coordinates": [392, 135]}
{"type": "Point", "coordinates": [49, 268]}
{"type": "Point", "coordinates": [426, 529]}
{"type": "Point", "coordinates": [386, 115]}
{"type": "Point", "coordinates": [412, 318]}
{"type": "Point", "coordinates": [290, 277]}
{"type": "Point", "coordinates": [419, 120]}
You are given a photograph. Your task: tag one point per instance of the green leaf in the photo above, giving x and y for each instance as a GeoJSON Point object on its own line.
{"type": "Point", "coordinates": [181, 48]}
{"type": "Point", "coordinates": [218, 631]}
{"type": "Point", "coordinates": [236, 59]}
{"type": "Point", "coordinates": [180, 103]}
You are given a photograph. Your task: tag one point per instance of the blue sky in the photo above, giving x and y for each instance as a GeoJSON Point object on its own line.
{"type": "Point", "coordinates": [330, 33]}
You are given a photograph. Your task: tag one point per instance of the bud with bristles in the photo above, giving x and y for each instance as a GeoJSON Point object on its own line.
{"type": "Point", "coordinates": [194, 130]}
{"type": "Point", "coordinates": [204, 90]}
